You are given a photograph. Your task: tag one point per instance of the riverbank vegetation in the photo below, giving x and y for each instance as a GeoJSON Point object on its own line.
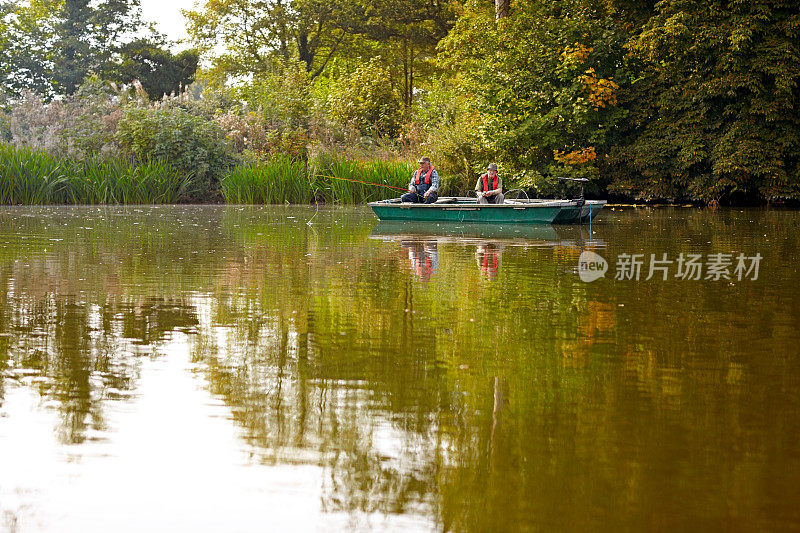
{"type": "Point", "coordinates": [34, 177]}
{"type": "Point", "coordinates": [668, 100]}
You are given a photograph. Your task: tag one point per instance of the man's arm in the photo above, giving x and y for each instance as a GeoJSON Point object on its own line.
{"type": "Point", "coordinates": [434, 182]}
{"type": "Point", "coordinates": [479, 187]}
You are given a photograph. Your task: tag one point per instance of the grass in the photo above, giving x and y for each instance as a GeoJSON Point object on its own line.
{"type": "Point", "coordinates": [31, 177]}
{"type": "Point", "coordinates": [325, 178]}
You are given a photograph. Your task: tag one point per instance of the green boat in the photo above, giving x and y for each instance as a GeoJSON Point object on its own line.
{"type": "Point", "coordinates": [462, 209]}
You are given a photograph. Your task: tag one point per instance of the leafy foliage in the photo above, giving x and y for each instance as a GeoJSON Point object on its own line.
{"type": "Point", "coordinates": [367, 101]}
{"type": "Point", "coordinates": [189, 142]}
{"type": "Point", "coordinates": [548, 94]}
{"type": "Point", "coordinates": [158, 70]}
{"type": "Point", "coordinates": [715, 110]}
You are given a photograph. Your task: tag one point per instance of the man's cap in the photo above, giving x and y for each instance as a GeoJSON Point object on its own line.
{"type": "Point", "coordinates": [491, 166]}
{"type": "Point", "coordinates": [424, 159]}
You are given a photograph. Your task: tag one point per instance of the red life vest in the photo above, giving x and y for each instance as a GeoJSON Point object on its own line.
{"type": "Point", "coordinates": [485, 179]}
{"type": "Point", "coordinates": [486, 268]}
{"type": "Point", "coordinates": [423, 267]}
{"type": "Point", "coordinates": [427, 176]}
{"type": "Point", "coordinates": [486, 261]}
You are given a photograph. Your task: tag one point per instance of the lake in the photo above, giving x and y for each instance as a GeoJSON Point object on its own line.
{"type": "Point", "coordinates": [229, 368]}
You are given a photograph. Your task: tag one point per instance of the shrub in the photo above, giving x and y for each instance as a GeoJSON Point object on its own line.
{"type": "Point", "coordinates": [192, 144]}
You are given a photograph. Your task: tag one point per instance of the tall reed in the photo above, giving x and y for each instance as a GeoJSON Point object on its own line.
{"type": "Point", "coordinates": [31, 177]}
{"type": "Point", "coordinates": [121, 182]}
{"type": "Point", "coordinates": [325, 178]}
{"type": "Point", "coordinates": [279, 180]}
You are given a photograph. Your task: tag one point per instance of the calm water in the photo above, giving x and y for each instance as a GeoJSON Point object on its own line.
{"type": "Point", "coordinates": [237, 369]}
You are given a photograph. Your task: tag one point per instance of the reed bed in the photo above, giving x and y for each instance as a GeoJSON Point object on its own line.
{"type": "Point", "coordinates": [30, 177]}
{"type": "Point", "coordinates": [325, 178]}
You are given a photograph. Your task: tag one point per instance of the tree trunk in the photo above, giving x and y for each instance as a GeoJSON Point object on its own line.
{"type": "Point", "coordinates": [406, 80]}
{"type": "Point", "coordinates": [304, 52]}
{"type": "Point", "coordinates": [501, 8]}
{"type": "Point", "coordinates": [411, 77]}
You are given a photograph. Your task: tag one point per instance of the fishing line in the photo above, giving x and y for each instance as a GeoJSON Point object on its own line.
{"type": "Point", "coordinates": [360, 181]}
{"type": "Point", "coordinates": [316, 203]}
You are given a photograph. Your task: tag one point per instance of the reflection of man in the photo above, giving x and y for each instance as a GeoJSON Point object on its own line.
{"type": "Point", "coordinates": [424, 185]}
{"type": "Point", "coordinates": [488, 257]}
{"type": "Point", "coordinates": [424, 258]}
{"type": "Point", "coordinates": [489, 188]}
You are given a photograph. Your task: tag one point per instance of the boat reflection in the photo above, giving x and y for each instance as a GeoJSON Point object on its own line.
{"type": "Point", "coordinates": [521, 234]}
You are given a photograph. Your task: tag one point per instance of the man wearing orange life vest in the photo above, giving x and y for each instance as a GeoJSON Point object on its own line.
{"type": "Point", "coordinates": [424, 185]}
{"type": "Point", "coordinates": [490, 187]}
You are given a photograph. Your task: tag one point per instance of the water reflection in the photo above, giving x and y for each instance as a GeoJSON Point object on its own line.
{"type": "Point", "coordinates": [487, 255]}
{"type": "Point", "coordinates": [530, 233]}
{"type": "Point", "coordinates": [424, 258]}
{"type": "Point", "coordinates": [533, 401]}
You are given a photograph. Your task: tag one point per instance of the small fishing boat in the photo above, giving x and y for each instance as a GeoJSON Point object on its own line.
{"type": "Point", "coordinates": [516, 211]}
{"type": "Point", "coordinates": [462, 209]}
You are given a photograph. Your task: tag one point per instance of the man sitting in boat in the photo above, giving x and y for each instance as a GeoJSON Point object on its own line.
{"type": "Point", "coordinates": [424, 185]}
{"type": "Point", "coordinates": [490, 187]}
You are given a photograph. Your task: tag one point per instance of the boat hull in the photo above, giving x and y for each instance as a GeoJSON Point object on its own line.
{"type": "Point", "coordinates": [464, 210]}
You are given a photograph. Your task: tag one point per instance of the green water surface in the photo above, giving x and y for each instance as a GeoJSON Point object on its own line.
{"type": "Point", "coordinates": [225, 368]}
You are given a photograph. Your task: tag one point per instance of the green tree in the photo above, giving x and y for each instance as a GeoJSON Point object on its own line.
{"type": "Point", "coordinates": [257, 34]}
{"type": "Point", "coordinates": [88, 34]}
{"type": "Point", "coordinates": [367, 101]}
{"type": "Point", "coordinates": [715, 109]}
{"type": "Point", "coordinates": [158, 70]}
{"type": "Point", "coordinates": [52, 45]}
{"type": "Point", "coordinates": [541, 84]}
{"type": "Point", "coordinates": [406, 33]}
{"type": "Point", "coordinates": [26, 56]}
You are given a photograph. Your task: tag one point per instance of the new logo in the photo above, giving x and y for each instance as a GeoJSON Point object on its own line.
{"type": "Point", "coordinates": [591, 266]}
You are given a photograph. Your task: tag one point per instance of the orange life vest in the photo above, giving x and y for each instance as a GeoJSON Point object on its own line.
{"type": "Point", "coordinates": [485, 178]}
{"type": "Point", "coordinates": [427, 176]}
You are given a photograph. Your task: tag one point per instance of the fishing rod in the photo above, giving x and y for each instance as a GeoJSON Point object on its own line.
{"type": "Point", "coordinates": [359, 181]}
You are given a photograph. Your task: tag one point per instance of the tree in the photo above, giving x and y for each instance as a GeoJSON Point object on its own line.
{"type": "Point", "coordinates": [26, 59]}
{"type": "Point", "coordinates": [716, 108]}
{"type": "Point", "coordinates": [367, 101]}
{"type": "Point", "coordinates": [87, 36]}
{"type": "Point", "coordinates": [158, 70]}
{"type": "Point", "coordinates": [541, 84]}
{"type": "Point", "coordinates": [501, 8]}
{"type": "Point", "coordinates": [52, 45]}
{"type": "Point", "coordinates": [256, 34]}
